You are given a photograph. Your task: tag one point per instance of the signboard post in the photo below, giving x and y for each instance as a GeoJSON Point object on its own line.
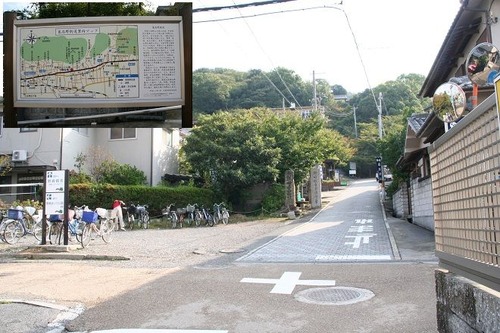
{"type": "Point", "coordinates": [56, 198]}
{"type": "Point", "coordinates": [379, 169]}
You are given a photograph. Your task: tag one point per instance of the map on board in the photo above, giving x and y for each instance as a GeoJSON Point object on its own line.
{"type": "Point", "coordinates": [91, 64]}
{"type": "Point", "coordinates": [97, 62]}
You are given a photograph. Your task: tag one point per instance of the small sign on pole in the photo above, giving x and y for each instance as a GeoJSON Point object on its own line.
{"type": "Point", "coordinates": [56, 197]}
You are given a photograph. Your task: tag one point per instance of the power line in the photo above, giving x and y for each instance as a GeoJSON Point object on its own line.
{"type": "Point", "coordinates": [277, 71]}
{"type": "Point", "coordinates": [265, 75]}
{"type": "Point", "coordinates": [243, 5]}
{"type": "Point", "coordinates": [260, 14]}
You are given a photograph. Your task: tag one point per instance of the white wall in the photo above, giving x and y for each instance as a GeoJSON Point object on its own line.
{"type": "Point", "coordinates": [42, 145]}
{"type": "Point", "coordinates": [74, 143]}
{"type": "Point", "coordinates": [422, 208]}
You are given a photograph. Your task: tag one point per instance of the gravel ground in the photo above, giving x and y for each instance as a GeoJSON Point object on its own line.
{"type": "Point", "coordinates": [168, 248]}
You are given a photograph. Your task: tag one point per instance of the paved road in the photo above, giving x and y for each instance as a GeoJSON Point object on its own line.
{"type": "Point", "coordinates": [350, 229]}
{"type": "Point", "coordinates": [346, 270]}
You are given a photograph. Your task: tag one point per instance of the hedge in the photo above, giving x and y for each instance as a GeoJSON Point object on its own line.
{"type": "Point", "coordinates": [156, 198]}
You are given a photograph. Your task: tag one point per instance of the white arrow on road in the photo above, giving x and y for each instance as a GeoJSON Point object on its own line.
{"type": "Point", "coordinates": [286, 284]}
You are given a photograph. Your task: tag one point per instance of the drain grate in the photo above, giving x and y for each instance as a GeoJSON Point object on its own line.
{"type": "Point", "coordinates": [334, 295]}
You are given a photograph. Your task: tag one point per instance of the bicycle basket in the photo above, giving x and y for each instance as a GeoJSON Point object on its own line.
{"type": "Point", "coordinates": [181, 211]}
{"type": "Point", "coordinates": [89, 217]}
{"type": "Point", "coordinates": [190, 208]}
{"type": "Point", "coordinates": [55, 217]}
{"type": "Point", "coordinates": [15, 214]}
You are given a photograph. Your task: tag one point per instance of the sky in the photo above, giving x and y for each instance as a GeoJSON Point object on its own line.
{"type": "Point", "coordinates": [357, 44]}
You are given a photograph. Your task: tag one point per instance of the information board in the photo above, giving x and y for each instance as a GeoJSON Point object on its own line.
{"type": "Point", "coordinates": [99, 62]}
{"type": "Point", "coordinates": [55, 187]}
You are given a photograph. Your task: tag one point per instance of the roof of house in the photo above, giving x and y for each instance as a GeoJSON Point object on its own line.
{"type": "Point", "coordinates": [466, 24]}
{"type": "Point", "coordinates": [416, 121]}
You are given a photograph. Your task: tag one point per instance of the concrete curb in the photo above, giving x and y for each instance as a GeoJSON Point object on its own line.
{"type": "Point", "coordinates": [392, 240]}
{"type": "Point", "coordinates": [64, 256]}
{"type": "Point", "coordinates": [63, 252]}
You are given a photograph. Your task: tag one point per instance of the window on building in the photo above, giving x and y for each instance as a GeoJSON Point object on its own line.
{"type": "Point", "coordinates": [168, 137]}
{"type": "Point", "coordinates": [82, 131]}
{"type": "Point", "coordinates": [122, 133]}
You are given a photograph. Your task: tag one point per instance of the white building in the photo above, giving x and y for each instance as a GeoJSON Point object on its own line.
{"type": "Point", "coordinates": [152, 150]}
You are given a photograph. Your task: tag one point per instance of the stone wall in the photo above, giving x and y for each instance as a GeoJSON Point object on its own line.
{"type": "Point", "coordinates": [400, 203]}
{"type": "Point", "coordinates": [465, 306]}
{"type": "Point", "coordinates": [421, 201]}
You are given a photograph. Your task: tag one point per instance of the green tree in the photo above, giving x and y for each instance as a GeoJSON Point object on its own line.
{"type": "Point", "coordinates": [238, 149]}
{"type": "Point", "coordinates": [123, 174]}
{"type": "Point", "coordinates": [213, 89]}
{"type": "Point", "coordinates": [229, 151]}
{"type": "Point", "coordinates": [83, 9]}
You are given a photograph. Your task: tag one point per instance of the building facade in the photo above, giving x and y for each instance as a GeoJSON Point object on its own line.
{"type": "Point", "coordinates": [33, 151]}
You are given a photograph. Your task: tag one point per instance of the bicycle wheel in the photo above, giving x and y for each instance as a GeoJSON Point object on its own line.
{"type": "Point", "coordinates": [210, 220]}
{"type": "Point", "coordinates": [107, 227]}
{"type": "Point", "coordinates": [55, 233]}
{"type": "Point", "coordinates": [13, 232]}
{"type": "Point", "coordinates": [37, 230]}
{"type": "Point", "coordinates": [79, 230]}
{"type": "Point", "coordinates": [225, 216]}
{"type": "Point", "coordinates": [87, 234]}
{"type": "Point", "coordinates": [2, 228]}
{"type": "Point", "coordinates": [145, 220]}
{"type": "Point", "coordinates": [173, 218]}
{"type": "Point", "coordinates": [216, 218]}
{"type": "Point", "coordinates": [197, 219]}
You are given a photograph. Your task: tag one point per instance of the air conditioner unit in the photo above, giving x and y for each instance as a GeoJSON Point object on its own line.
{"type": "Point", "coordinates": [19, 155]}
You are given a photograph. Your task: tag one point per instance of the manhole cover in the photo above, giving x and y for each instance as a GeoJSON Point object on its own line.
{"type": "Point", "coordinates": [334, 295]}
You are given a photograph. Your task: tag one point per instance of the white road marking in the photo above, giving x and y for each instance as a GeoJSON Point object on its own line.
{"type": "Point", "coordinates": [361, 228]}
{"type": "Point", "coordinates": [365, 238]}
{"type": "Point", "coordinates": [363, 221]}
{"type": "Point", "coordinates": [286, 284]}
{"type": "Point", "coordinates": [352, 257]}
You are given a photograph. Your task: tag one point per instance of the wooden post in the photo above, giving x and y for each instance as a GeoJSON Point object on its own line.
{"type": "Point", "coordinates": [186, 11]}
{"type": "Point", "coordinates": [9, 112]}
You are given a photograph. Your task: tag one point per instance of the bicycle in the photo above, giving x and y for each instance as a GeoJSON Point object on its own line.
{"type": "Point", "coordinates": [142, 216]}
{"type": "Point", "coordinates": [55, 228]}
{"type": "Point", "coordinates": [19, 223]}
{"type": "Point", "coordinates": [171, 213]}
{"type": "Point", "coordinates": [76, 224]}
{"type": "Point", "coordinates": [206, 216]}
{"type": "Point", "coordinates": [220, 213]}
{"type": "Point", "coordinates": [193, 215]}
{"type": "Point", "coordinates": [130, 214]}
{"type": "Point", "coordinates": [139, 213]}
{"type": "Point", "coordinates": [91, 230]}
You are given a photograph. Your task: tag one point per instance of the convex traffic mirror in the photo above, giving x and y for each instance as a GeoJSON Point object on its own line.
{"type": "Point", "coordinates": [449, 102]}
{"type": "Point", "coordinates": [483, 64]}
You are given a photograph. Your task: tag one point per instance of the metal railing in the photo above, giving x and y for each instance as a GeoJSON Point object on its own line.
{"type": "Point", "coordinates": [22, 192]}
{"type": "Point", "coordinates": [465, 168]}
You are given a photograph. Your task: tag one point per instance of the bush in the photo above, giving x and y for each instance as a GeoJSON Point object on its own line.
{"type": "Point", "coordinates": [155, 197]}
{"type": "Point", "coordinates": [274, 198]}
{"type": "Point", "coordinates": [123, 174]}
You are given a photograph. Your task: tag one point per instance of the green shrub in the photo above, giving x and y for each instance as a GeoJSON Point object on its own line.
{"type": "Point", "coordinates": [157, 198]}
{"type": "Point", "coordinates": [123, 174]}
{"type": "Point", "coordinates": [274, 198]}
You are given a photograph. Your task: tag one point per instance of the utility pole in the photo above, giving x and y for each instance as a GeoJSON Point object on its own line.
{"type": "Point", "coordinates": [379, 107]}
{"type": "Point", "coordinates": [355, 124]}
